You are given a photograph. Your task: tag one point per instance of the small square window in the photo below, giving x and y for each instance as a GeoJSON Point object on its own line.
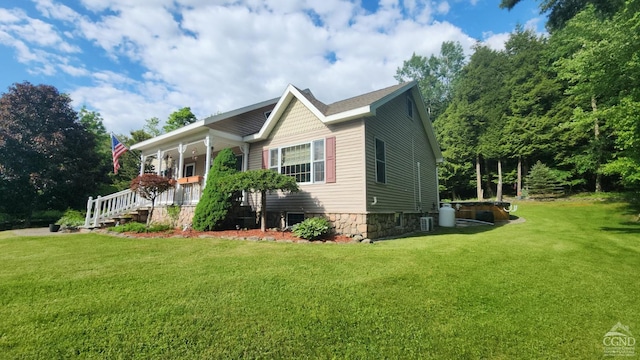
{"type": "Point", "coordinates": [294, 218]}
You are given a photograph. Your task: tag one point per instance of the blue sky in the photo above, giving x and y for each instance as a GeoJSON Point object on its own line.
{"type": "Point", "coordinates": [133, 60]}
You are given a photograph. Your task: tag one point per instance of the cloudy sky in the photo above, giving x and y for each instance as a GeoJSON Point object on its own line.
{"type": "Point", "coordinates": [132, 60]}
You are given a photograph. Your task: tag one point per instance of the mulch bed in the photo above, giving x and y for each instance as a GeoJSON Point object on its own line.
{"type": "Point", "coordinates": [250, 234]}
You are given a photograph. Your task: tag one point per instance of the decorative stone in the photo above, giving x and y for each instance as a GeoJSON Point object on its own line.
{"type": "Point", "coordinates": [253, 238]}
{"type": "Point", "coordinates": [366, 241]}
{"type": "Point", "coordinates": [269, 238]}
{"type": "Point", "coordinates": [357, 238]}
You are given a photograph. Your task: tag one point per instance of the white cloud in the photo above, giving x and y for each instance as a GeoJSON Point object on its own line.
{"type": "Point", "coordinates": [495, 41]}
{"type": "Point", "coordinates": [219, 55]}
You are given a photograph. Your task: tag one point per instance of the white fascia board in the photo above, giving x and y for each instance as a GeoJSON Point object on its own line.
{"type": "Point", "coordinates": [349, 115]}
{"type": "Point", "coordinates": [288, 95]}
{"type": "Point", "coordinates": [275, 114]}
{"type": "Point", "coordinates": [186, 130]}
{"type": "Point", "coordinates": [427, 124]}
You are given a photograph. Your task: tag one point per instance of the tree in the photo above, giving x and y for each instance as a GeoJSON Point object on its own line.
{"type": "Point", "coordinates": [217, 198]}
{"type": "Point", "coordinates": [543, 182]}
{"type": "Point", "coordinates": [44, 150]}
{"type": "Point", "coordinates": [179, 118]}
{"type": "Point", "coordinates": [436, 76]}
{"type": "Point", "coordinates": [561, 11]}
{"type": "Point", "coordinates": [535, 94]}
{"type": "Point", "coordinates": [152, 127]}
{"type": "Point", "coordinates": [150, 186]}
{"type": "Point", "coordinates": [264, 181]}
{"type": "Point", "coordinates": [93, 123]}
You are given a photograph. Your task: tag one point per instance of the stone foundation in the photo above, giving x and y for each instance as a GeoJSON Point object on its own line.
{"type": "Point", "coordinates": [372, 225]}
{"type": "Point", "coordinates": [184, 218]}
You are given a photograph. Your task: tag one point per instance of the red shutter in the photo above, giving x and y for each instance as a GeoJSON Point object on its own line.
{"type": "Point", "coordinates": [331, 159]}
{"type": "Point", "coordinates": [265, 159]}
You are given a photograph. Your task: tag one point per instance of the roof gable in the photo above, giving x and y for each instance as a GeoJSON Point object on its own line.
{"type": "Point", "coordinates": [344, 110]}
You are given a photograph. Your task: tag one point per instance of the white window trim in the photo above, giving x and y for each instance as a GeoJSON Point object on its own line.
{"type": "Point", "coordinates": [186, 166]}
{"type": "Point", "coordinates": [277, 168]}
{"type": "Point", "coordinates": [375, 158]}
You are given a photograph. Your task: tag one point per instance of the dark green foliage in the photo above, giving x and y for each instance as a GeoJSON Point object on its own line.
{"type": "Point", "coordinates": [561, 11]}
{"type": "Point", "coordinates": [177, 119]}
{"type": "Point", "coordinates": [543, 182]}
{"type": "Point", "coordinates": [435, 75]}
{"type": "Point", "coordinates": [44, 151]}
{"type": "Point", "coordinates": [218, 196]}
{"type": "Point", "coordinates": [264, 181]}
{"type": "Point", "coordinates": [312, 228]}
{"type": "Point", "coordinates": [72, 218]}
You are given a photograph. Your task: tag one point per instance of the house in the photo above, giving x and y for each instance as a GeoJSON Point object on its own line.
{"type": "Point", "coordinates": [368, 163]}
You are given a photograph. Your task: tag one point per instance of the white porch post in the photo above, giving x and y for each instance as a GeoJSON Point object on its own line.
{"type": "Point", "coordinates": [207, 163]}
{"type": "Point", "coordinates": [244, 148]}
{"type": "Point", "coordinates": [159, 169]}
{"type": "Point", "coordinates": [181, 149]}
{"type": "Point", "coordinates": [142, 159]}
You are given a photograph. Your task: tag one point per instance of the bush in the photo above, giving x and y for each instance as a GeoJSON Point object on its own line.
{"type": "Point", "coordinates": [136, 227]}
{"type": "Point", "coordinates": [217, 198]}
{"type": "Point", "coordinates": [543, 182]}
{"type": "Point", "coordinates": [71, 219]}
{"type": "Point", "coordinates": [174, 213]}
{"type": "Point", "coordinates": [312, 228]}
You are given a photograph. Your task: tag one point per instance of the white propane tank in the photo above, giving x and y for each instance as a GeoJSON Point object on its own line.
{"type": "Point", "coordinates": [447, 216]}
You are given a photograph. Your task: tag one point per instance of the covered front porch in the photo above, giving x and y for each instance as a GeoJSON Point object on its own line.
{"type": "Point", "coordinates": [185, 155]}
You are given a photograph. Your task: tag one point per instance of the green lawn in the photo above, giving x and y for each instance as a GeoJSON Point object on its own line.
{"type": "Point", "coordinates": [550, 287]}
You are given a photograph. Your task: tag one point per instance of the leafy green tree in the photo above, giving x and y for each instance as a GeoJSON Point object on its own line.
{"type": "Point", "coordinates": [44, 150]}
{"type": "Point", "coordinates": [94, 124]}
{"type": "Point", "coordinates": [264, 181]}
{"type": "Point", "coordinates": [535, 92]}
{"type": "Point", "coordinates": [152, 127]}
{"type": "Point", "coordinates": [179, 118]}
{"type": "Point", "coordinates": [218, 196]}
{"type": "Point", "coordinates": [561, 11]}
{"type": "Point", "coordinates": [473, 121]}
{"type": "Point", "coordinates": [435, 75]}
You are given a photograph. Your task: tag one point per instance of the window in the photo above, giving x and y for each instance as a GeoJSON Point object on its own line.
{"type": "Point", "coordinates": [189, 170]}
{"type": "Point", "coordinates": [266, 114]}
{"type": "Point", "coordinates": [305, 162]}
{"type": "Point", "coordinates": [399, 219]}
{"type": "Point", "coordinates": [381, 162]}
{"type": "Point", "coordinates": [409, 107]}
{"type": "Point", "coordinates": [294, 218]}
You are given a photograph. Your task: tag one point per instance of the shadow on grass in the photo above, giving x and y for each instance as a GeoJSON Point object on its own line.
{"type": "Point", "coordinates": [459, 230]}
{"type": "Point", "coordinates": [627, 227]}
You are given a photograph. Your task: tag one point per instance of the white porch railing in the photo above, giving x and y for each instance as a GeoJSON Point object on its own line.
{"type": "Point", "coordinates": [103, 208]}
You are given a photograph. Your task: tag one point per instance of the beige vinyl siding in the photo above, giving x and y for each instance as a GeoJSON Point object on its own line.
{"type": "Point", "coordinates": [406, 144]}
{"type": "Point", "coordinates": [298, 125]}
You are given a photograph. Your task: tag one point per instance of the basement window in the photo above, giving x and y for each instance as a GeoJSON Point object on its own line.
{"type": "Point", "coordinates": [294, 218]}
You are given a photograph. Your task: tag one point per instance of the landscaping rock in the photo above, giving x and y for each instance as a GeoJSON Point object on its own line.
{"type": "Point", "coordinates": [357, 238]}
{"type": "Point", "coordinates": [366, 241]}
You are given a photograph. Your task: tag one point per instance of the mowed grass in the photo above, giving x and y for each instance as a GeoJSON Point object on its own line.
{"type": "Point", "coordinates": [550, 287]}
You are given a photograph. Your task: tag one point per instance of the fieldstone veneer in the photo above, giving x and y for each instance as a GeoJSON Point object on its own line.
{"type": "Point", "coordinates": [372, 226]}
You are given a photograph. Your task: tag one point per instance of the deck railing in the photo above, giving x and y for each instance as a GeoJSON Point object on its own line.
{"type": "Point", "coordinates": [103, 208]}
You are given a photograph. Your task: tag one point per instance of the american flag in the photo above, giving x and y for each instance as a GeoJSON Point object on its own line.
{"type": "Point", "coordinates": [117, 149]}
